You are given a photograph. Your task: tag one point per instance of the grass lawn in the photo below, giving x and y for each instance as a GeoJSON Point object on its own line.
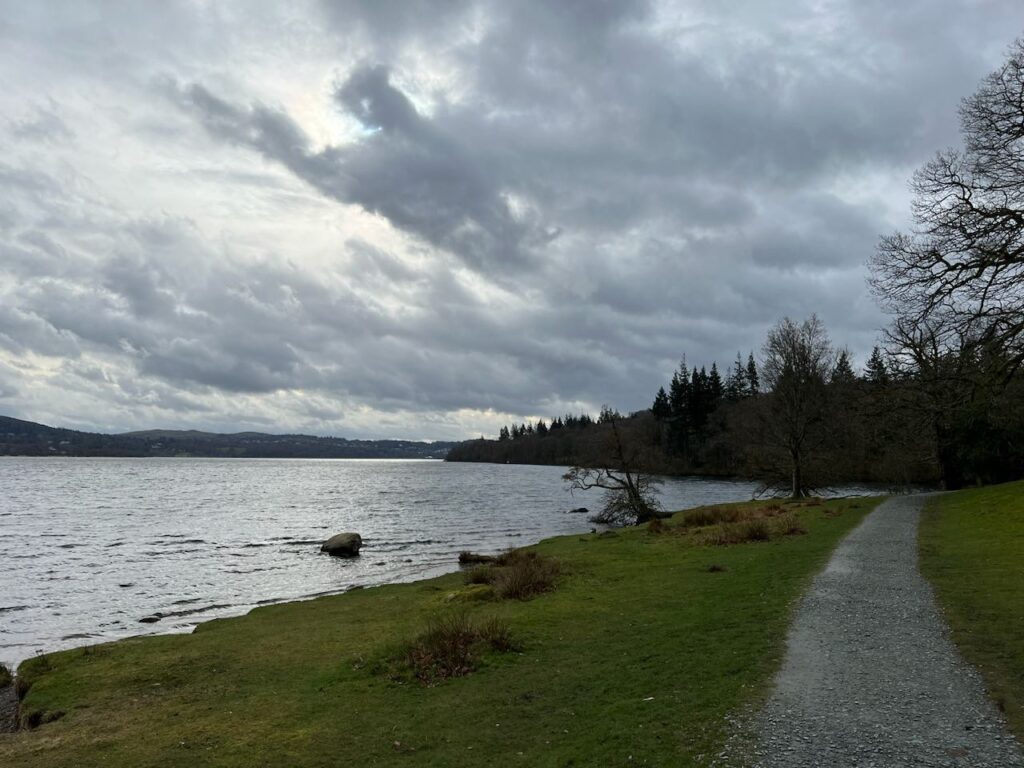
{"type": "Point", "coordinates": [633, 659]}
{"type": "Point", "coordinates": [972, 550]}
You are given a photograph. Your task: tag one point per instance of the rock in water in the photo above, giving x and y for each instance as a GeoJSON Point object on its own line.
{"type": "Point", "coordinates": [343, 545]}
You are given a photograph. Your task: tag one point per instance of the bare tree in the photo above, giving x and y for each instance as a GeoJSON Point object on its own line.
{"type": "Point", "coordinates": [964, 259]}
{"type": "Point", "coordinates": [630, 493]}
{"type": "Point", "coordinates": [798, 360]}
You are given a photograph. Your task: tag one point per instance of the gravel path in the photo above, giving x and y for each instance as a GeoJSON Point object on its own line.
{"type": "Point", "coordinates": [871, 677]}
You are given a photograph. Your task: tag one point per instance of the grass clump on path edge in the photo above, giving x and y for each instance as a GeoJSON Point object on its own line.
{"type": "Point", "coordinates": [971, 546]}
{"type": "Point", "coordinates": [636, 657]}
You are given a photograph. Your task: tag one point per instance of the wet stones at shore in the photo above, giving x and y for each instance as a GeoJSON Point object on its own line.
{"type": "Point", "coordinates": [343, 545]}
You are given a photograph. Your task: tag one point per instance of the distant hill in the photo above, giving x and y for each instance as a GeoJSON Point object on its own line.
{"type": "Point", "coordinates": [26, 438]}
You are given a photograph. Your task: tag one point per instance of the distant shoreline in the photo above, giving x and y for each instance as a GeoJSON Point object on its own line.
{"type": "Point", "coordinates": [27, 438]}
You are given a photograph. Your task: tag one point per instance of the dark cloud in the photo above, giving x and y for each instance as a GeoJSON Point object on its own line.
{"type": "Point", "coordinates": [425, 218]}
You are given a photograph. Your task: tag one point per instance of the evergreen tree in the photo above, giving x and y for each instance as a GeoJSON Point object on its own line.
{"type": "Point", "coordinates": [679, 391]}
{"type": "Point", "coordinates": [753, 383]}
{"type": "Point", "coordinates": [528, 431]}
{"type": "Point", "coordinates": [556, 424]}
{"type": "Point", "coordinates": [842, 373]}
{"type": "Point", "coordinates": [876, 371]}
{"type": "Point", "coordinates": [736, 383]}
{"type": "Point", "coordinates": [715, 388]}
{"type": "Point", "coordinates": [503, 434]}
{"type": "Point", "coordinates": [542, 428]}
{"type": "Point", "coordinates": [661, 407]}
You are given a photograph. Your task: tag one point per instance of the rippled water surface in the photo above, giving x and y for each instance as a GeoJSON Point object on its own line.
{"type": "Point", "coordinates": [88, 547]}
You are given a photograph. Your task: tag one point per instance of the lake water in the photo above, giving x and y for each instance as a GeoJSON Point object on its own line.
{"type": "Point", "coordinates": [88, 547]}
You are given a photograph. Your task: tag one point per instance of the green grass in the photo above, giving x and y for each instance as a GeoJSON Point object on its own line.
{"type": "Point", "coordinates": [972, 550]}
{"type": "Point", "coordinates": [634, 658]}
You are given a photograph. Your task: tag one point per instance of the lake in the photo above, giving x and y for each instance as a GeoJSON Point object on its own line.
{"type": "Point", "coordinates": [88, 547]}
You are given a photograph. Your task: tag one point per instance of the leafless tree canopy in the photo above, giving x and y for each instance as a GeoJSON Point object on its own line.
{"type": "Point", "coordinates": [798, 362]}
{"type": "Point", "coordinates": [964, 260]}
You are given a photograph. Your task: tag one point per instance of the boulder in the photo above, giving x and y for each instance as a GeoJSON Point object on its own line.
{"type": "Point", "coordinates": [343, 545]}
{"type": "Point", "coordinates": [578, 511]}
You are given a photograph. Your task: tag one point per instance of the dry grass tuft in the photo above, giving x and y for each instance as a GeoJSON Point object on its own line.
{"type": "Point", "coordinates": [724, 534]}
{"type": "Point", "coordinates": [789, 525]}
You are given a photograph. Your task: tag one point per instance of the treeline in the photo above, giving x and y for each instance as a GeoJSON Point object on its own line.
{"type": "Point", "coordinates": [702, 423]}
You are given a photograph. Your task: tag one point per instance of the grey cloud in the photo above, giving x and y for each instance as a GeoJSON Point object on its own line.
{"type": "Point", "coordinates": [542, 205]}
{"type": "Point", "coordinates": [420, 179]}
{"type": "Point", "coordinates": [45, 125]}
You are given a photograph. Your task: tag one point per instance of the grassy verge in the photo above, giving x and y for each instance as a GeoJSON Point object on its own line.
{"type": "Point", "coordinates": [972, 550]}
{"type": "Point", "coordinates": [647, 639]}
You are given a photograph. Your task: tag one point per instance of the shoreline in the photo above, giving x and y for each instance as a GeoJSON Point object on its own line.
{"type": "Point", "coordinates": [301, 680]}
{"type": "Point", "coordinates": [417, 572]}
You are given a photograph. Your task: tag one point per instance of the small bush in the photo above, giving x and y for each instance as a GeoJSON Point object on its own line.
{"type": "Point", "coordinates": [716, 568]}
{"type": "Point", "coordinates": [525, 578]}
{"type": "Point", "coordinates": [517, 574]}
{"type": "Point", "coordinates": [656, 525]}
{"type": "Point", "coordinates": [451, 647]}
{"type": "Point", "coordinates": [6, 677]}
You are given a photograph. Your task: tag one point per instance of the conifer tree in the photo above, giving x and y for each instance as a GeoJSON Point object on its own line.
{"type": "Point", "coordinates": [843, 373]}
{"type": "Point", "coordinates": [661, 407]}
{"type": "Point", "coordinates": [753, 383]}
{"type": "Point", "coordinates": [876, 371]}
{"type": "Point", "coordinates": [736, 383]}
{"type": "Point", "coordinates": [715, 389]}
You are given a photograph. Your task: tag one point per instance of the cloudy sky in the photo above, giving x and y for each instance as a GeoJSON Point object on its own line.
{"type": "Point", "coordinates": [424, 219]}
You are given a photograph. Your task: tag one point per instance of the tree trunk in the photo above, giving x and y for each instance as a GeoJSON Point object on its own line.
{"type": "Point", "coordinates": [798, 482]}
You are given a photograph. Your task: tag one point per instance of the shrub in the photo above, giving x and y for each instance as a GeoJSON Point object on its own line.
{"type": "Point", "coordinates": [451, 647]}
{"type": "Point", "coordinates": [716, 568]}
{"type": "Point", "coordinates": [6, 678]}
{"type": "Point", "coordinates": [526, 577]}
{"type": "Point", "coordinates": [517, 574]}
{"type": "Point", "coordinates": [656, 525]}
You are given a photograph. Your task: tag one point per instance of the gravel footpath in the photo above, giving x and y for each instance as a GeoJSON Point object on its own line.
{"type": "Point", "coordinates": [871, 677]}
